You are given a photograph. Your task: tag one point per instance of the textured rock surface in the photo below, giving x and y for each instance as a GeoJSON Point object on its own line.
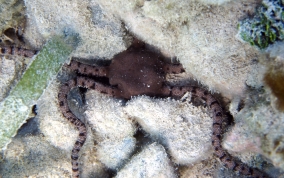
{"type": "Point", "coordinates": [204, 169]}
{"type": "Point", "coordinates": [30, 156]}
{"type": "Point", "coordinates": [112, 129]}
{"type": "Point", "coordinates": [183, 129]}
{"type": "Point", "coordinates": [8, 72]}
{"type": "Point", "coordinates": [152, 161]}
{"type": "Point", "coordinates": [102, 38]}
{"type": "Point", "coordinates": [214, 2]}
{"type": "Point", "coordinates": [52, 123]}
{"type": "Point", "coordinates": [258, 128]}
{"type": "Point", "coordinates": [259, 120]}
{"type": "Point", "coordinates": [200, 35]}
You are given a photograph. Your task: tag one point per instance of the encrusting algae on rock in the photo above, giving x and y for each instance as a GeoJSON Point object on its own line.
{"type": "Point", "coordinates": [266, 27]}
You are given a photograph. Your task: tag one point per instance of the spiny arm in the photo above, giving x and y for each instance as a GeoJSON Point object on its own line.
{"type": "Point", "coordinates": [216, 109]}
{"type": "Point", "coordinates": [98, 71]}
{"type": "Point", "coordinates": [11, 50]}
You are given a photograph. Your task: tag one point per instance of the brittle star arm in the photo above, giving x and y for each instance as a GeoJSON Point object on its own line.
{"type": "Point", "coordinates": [216, 110]}
{"type": "Point", "coordinates": [84, 69]}
{"type": "Point", "coordinates": [67, 113]}
{"type": "Point", "coordinates": [11, 50]}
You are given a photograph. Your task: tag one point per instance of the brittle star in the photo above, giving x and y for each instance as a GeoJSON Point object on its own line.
{"type": "Point", "coordinates": [137, 71]}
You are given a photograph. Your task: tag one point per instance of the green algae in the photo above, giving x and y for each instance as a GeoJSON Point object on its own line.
{"type": "Point", "coordinates": [266, 27]}
{"type": "Point", "coordinates": [15, 109]}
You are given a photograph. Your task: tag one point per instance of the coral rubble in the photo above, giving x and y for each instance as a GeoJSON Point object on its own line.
{"type": "Point", "coordinates": [152, 161]}
{"type": "Point", "coordinates": [202, 35]}
{"type": "Point", "coordinates": [173, 124]}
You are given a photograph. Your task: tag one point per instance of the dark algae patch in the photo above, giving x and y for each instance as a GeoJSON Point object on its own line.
{"type": "Point", "coordinates": [275, 80]}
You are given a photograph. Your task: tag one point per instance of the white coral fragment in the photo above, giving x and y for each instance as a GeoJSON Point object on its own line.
{"type": "Point", "coordinates": [151, 162]}
{"type": "Point", "coordinates": [181, 127]}
{"type": "Point", "coordinates": [57, 130]}
{"type": "Point", "coordinates": [214, 2]}
{"type": "Point", "coordinates": [113, 153]}
{"type": "Point", "coordinates": [113, 130]}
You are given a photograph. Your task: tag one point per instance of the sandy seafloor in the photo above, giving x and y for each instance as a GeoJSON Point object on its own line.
{"type": "Point", "coordinates": [146, 137]}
